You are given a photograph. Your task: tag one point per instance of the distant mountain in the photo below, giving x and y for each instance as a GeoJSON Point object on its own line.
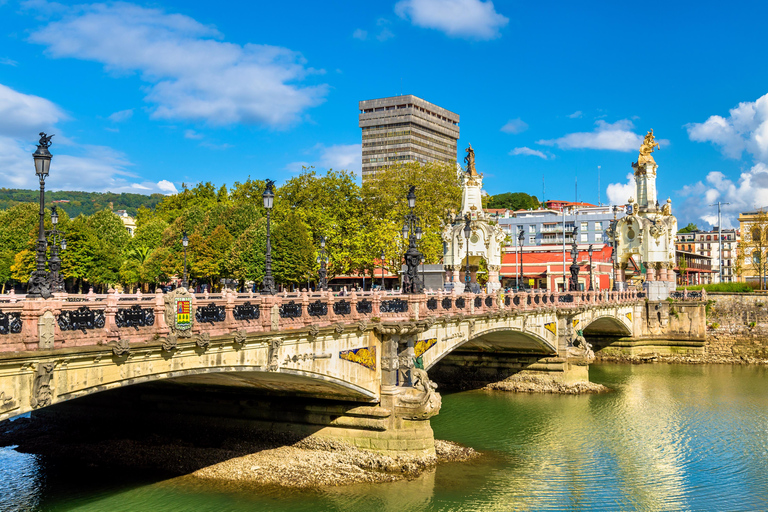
{"type": "Point", "coordinates": [75, 203]}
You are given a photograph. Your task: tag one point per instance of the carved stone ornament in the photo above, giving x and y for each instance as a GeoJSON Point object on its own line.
{"type": "Point", "coordinates": [274, 349]}
{"type": "Point", "coordinates": [170, 343]}
{"type": "Point", "coordinates": [314, 331]}
{"type": "Point", "coordinates": [362, 326]}
{"type": "Point", "coordinates": [421, 401]}
{"type": "Point", "coordinates": [390, 364]}
{"type": "Point", "coordinates": [7, 403]}
{"type": "Point", "coordinates": [121, 347]}
{"type": "Point", "coordinates": [240, 337]}
{"type": "Point", "coordinates": [179, 312]}
{"type": "Point", "coordinates": [41, 387]}
{"type": "Point", "coordinates": [203, 340]}
{"type": "Point", "coordinates": [338, 328]}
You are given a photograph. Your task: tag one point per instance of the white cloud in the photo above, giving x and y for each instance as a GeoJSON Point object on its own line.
{"type": "Point", "coordinates": [575, 115]}
{"type": "Point", "coordinates": [123, 115]}
{"type": "Point", "coordinates": [8, 62]}
{"type": "Point", "coordinates": [74, 167]}
{"type": "Point", "coordinates": [617, 137]}
{"type": "Point", "coordinates": [528, 152]}
{"type": "Point", "coordinates": [360, 34]}
{"type": "Point", "coordinates": [167, 186]}
{"type": "Point", "coordinates": [192, 75]}
{"type": "Point", "coordinates": [473, 19]}
{"type": "Point", "coordinates": [23, 115]}
{"type": "Point", "coordinates": [515, 126]}
{"type": "Point", "coordinates": [746, 128]}
{"type": "Point", "coordinates": [385, 34]}
{"type": "Point", "coordinates": [192, 134]}
{"type": "Point", "coordinates": [619, 193]}
{"type": "Point", "coordinates": [749, 192]}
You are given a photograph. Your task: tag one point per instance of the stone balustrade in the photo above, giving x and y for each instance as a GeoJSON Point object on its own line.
{"type": "Point", "coordinates": [97, 319]}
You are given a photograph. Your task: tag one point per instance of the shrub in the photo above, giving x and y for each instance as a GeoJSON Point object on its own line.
{"type": "Point", "coordinates": [722, 287]}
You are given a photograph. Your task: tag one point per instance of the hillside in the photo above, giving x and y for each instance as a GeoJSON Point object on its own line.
{"type": "Point", "coordinates": [87, 203]}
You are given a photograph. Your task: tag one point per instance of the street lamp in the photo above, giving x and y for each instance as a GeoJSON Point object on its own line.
{"type": "Point", "coordinates": [574, 266]}
{"type": "Point", "coordinates": [412, 229]}
{"type": "Point", "coordinates": [185, 243]}
{"type": "Point", "coordinates": [590, 251]}
{"type": "Point", "coordinates": [467, 234]}
{"type": "Point", "coordinates": [382, 271]}
{"type": "Point", "coordinates": [39, 283]}
{"type": "Point", "coordinates": [268, 283]}
{"type": "Point", "coordinates": [54, 263]}
{"type": "Point", "coordinates": [520, 239]}
{"type": "Point", "coordinates": [322, 259]}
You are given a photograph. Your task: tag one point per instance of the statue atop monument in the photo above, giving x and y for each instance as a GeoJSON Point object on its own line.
{"type": "Point", "coordinates": [470, 160]}
{"type": "Point", "coordinates": [646, 148]}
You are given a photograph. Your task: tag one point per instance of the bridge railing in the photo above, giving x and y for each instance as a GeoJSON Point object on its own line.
{"type": "Point", "coordinates": [97, 319]}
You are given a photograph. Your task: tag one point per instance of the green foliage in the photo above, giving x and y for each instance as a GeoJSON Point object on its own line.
{"type": "Point", "coordinates": [211, 255]}
{"type": "Point", "coordinates": [438, 191]}
{"type": "Point", "coordinates": [513, 201]}
{"type": "Point", "coordinates": [247, 257]}
{"type": "Point", "coordinates": [80, 203]}
{"type": "Point", "coordinates": [721, 287]}
{"type": "Point", "coordinates": [293, 254]}
{"type": "Point", "coordinates": [690, 228]}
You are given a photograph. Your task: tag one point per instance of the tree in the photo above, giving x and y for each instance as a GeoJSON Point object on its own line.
{"type": "Point", "coordinates": [384, 206]}
{"type": "Point", "coordinates": [211, 255]}
{"type": "Point", "coordinates": [293, 254]}
{"type": "Point", "coordinates": [111, 242]}
{"type": "Point", "coordinates": [513, 201]}
{"type": "Point", "coordinates": [248, 253]}
{"type": "Point", "coordinates": [690, 228]}
{"type": "Point", "coordinates": [77, 260]}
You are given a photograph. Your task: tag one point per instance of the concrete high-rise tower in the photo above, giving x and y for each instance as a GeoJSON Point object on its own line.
{"type": "Point", "coordinates": [404, 129]}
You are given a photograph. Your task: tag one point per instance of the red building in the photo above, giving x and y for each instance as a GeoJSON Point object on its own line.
{"type": "Point", "coordinates": [543, 268]}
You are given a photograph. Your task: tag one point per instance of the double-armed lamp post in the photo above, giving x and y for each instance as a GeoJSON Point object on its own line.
{"type": "Point", "coordinates": [54, 264]}
{"type": "Point", "coordinates": [268, 283]}
{"type": "Point", "coordinates": [412, 229]}
{"type": "Point", "coordinates": [39, 282]}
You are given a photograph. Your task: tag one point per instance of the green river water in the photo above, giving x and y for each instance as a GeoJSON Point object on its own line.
{"type": "Point", "coordinates": [669, 437]}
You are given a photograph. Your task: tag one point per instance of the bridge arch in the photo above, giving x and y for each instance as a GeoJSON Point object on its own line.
{"type": "Point", "coordinates": [497, 339]}
{"type": "Point", "coordinates": [607, 325]}
{"type": "Point", "coordinates": [67, 385]}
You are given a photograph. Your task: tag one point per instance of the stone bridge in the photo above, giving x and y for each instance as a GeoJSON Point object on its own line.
{"type": "Point", "coordinates": [363, 351]}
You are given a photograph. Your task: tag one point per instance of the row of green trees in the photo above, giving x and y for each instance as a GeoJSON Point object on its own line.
{"type": "Point", "coordinates": [227, 231]}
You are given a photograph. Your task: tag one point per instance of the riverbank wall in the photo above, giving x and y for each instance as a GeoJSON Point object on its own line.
{"type": "Point", "coordinates": [730, 327]}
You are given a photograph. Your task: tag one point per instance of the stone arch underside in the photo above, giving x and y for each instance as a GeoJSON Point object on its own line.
{"type": "Point", "coordinates": [285, 381]}
{"type": "Point", "coordinates": [607, 326]}
{"type": "Point", "coordinates": [501, 340]}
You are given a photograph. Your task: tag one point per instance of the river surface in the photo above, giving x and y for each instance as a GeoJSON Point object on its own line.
{"type": "Point", "coordinates": [669, 437]}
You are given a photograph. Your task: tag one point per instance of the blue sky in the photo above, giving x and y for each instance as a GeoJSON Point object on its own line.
{"type": "Point", "coordinates": [145, 96]}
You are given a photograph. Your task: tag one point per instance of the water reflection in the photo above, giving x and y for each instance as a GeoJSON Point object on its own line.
{"type": "Point", "coordinates": [667, 438]}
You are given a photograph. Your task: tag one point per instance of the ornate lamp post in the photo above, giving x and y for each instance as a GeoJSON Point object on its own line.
{"type": "Point", "coordinates": [39, 283]}
{"type": "Point", "coordinates": [467, 234]}
{"type": "Point", "coordinates": [520, 239]}
{"type": "Point", "coordinates": [185, 243]}
{"type": "Point", "coordinates": [54, 264]}
{"type": "Point", "coordinates": [322, 259]}
{"type": "Point", "coordinates": [412, 229]}
{"type": "Point", "coordinates": [590, 251]}
{"type": "Point", "coordinates": [382, 270]}
{"type": "Point", "coordinates": [613, 246]}
{"type": "Point", "coordinates": [574, 266]}
{"type": "Point", "coordinates": [268, 283]}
